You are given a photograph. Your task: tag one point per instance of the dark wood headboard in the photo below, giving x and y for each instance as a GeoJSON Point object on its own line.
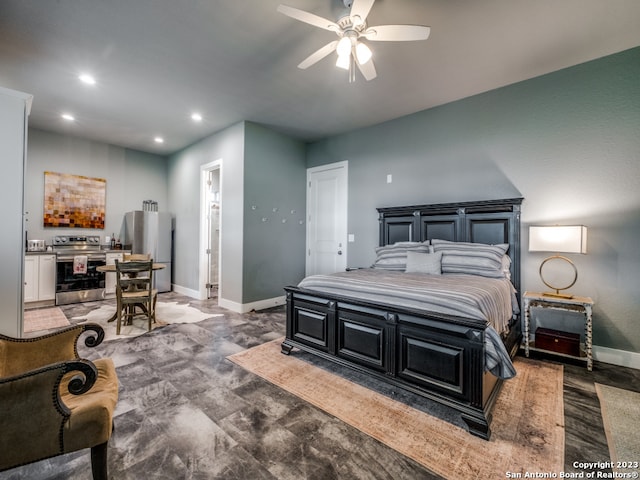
{"type": "Point", "coordinates": [485, 221]}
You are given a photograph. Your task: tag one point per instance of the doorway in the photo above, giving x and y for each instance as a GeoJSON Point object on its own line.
{"type": "Point", "coordinates": [211, 219]}
{"type": "Point", "coordinates": [327, 193]}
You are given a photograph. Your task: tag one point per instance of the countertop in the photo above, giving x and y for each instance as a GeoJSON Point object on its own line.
{"type": "Point", "coordinates": [105, 250]}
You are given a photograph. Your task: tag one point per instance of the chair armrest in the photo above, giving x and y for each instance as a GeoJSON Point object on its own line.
{"type": "Point", "coordinates": [24, 354]}
{"type": "Point", "coordinates": [33, 413]}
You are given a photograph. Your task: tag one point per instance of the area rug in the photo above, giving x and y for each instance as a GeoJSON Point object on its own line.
{"type": "Point", "coordinates": [166, 313]}
{"type": "Point", "coordinates": [527, 428]}
{"type": "Point", "coordinates": [44, 319]}
{"type": "Point", "coordinates": [621, 418]}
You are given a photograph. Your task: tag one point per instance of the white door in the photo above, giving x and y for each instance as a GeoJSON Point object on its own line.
{"type": "Point", "coordinates": [211, 277]}
{"type": "Point", "coordinates": [327, 189]}
{"type": "Point", "coordinates": [213, 220]}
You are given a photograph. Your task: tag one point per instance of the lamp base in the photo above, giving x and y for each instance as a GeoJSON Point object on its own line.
{"type": "Point", "coordinates": [557, 295]}
{"type": "Point", "coordinates": [557, 288]}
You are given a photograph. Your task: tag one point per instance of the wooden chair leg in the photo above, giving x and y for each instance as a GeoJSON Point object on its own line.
{"type": "Point", "coordinates": [155, 300]}
{"type": "Point", "coordinates": [119, 317]}
{"type": "Point", "coordinates": [99, 461]}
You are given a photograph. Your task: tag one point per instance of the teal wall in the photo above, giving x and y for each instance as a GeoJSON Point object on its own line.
{"type": "Point", "coordinates": [274, 212]}
{"type": "Point", "coordinates": [568, 142]}
{"type": "Point", "coordinates": [131, 176]}
{"type": "Point", "coordinates": [184, 197]}
{"type": "Point", "coordinates": [260, 168]}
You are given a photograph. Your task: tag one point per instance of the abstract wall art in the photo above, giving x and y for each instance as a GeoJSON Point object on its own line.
{"type": "Point", "coordinates": [74, 201]}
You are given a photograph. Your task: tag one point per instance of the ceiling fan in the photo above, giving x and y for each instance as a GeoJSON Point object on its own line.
{"type": "Point", "coordinates": [352, 29]}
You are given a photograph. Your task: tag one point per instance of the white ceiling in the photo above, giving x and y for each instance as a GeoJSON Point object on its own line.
{"type": "Point", "coordinates": [156, 61]}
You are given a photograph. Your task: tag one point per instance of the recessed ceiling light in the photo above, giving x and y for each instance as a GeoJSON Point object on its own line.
{"type": "Point", "coordinates": [88, 79]}
{"type": "Point", "coordinates": [68, 117]}
{"type": "Point", "coordinates": [196, 117]}
{"type": "Point", "coordinates": [158, 140]}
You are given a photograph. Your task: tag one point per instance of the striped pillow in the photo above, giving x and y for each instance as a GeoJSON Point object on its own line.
{"type": "Point", "coordinates": [394, 257]}
{"type": "Point", "coordinates": [471, 258]}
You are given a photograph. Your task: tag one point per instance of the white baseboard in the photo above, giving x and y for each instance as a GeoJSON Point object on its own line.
{"type": "Point", "coordinates": [613, 356]}
{"type": "Point", "coordinates": [247, 307]}
{"type": "Point", "coordinates": [231, 305]}
{"type": "Point", "coordinates": [187, 291]}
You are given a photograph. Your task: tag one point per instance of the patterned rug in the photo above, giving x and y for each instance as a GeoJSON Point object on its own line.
{"type": "Point", "coordinates": [44, 319]}
{"type": "Point", "coordinates": [527, 427]}
{"type": "Point", "coordinates": [166, 313]}
{"type": "Point", "coordinates": [621, 418]}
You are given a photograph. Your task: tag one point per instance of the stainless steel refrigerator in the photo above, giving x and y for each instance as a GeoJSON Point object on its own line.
{"type": "Point", "coordinates": [150, 232]}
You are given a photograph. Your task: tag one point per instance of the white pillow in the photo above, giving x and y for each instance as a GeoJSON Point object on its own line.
{"type": "Point", "coordinates": [430, 263]}
{"type": "Point", "coordinates": [506, 266]}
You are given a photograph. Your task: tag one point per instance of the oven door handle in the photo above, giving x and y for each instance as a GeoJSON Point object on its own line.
{"type": "Point", "coordinates": [90, 258]}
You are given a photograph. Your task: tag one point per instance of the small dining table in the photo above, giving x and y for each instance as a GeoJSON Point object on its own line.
{"type": "Point", "coordinates": [111, 268]}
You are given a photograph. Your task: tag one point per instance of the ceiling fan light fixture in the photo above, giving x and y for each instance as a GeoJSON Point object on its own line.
{"type": "Point", "coordinates": [344, 47]}
{"type": "Point", "coordinates": [351, 27]}
{"type": "Point", "coordinates": [363, 53]}
{"type": "Point", "coordinates": [343, 62]}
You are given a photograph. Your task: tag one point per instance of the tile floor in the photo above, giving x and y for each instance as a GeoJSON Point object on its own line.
{"type": "Point", "coordinates": [185, 412]}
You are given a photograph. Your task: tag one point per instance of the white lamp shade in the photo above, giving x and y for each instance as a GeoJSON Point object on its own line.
{"type": "Point", "coordinates": [558, 238]}
{"type": "Point", "coordinates": [344, 47]}
{"type": "Point", "coordinates": [363, 53]}
{"type": "Point", "coordinates": [343, 61]}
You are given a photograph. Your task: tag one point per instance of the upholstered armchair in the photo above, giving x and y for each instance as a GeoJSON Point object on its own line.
{"type": "Point", "coordinates": [53, 402]}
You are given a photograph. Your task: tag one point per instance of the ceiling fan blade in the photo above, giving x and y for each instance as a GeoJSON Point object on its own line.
{"type": "Point", "coordinates": [397, 33]}
{"type": "Point", "coordinates": [367, 69]}
{"type": "Point", "coordinates": [307, 17]}
{"type": "Point", "coordinates": [360, 9]}
{"type": "Point", "coordinates": [318, 55]}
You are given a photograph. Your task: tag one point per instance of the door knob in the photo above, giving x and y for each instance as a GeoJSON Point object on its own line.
{"type": "Point", "coordinates": [339, 252]}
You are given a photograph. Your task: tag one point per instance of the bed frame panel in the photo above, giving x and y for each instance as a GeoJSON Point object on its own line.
{"type": "Point", "coordinates": [440, 357]}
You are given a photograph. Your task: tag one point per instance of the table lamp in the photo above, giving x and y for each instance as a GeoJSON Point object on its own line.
{"type": "Point", "coordinates": [559, 239]}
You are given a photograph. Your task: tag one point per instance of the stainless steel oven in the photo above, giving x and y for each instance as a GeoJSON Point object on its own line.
{"type": "Point", "coordinates": [77, 277]}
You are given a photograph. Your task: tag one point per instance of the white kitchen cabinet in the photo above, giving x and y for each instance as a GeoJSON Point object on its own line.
{"type": "Point", "coordinates": [47, 277]}
{"type": "Point", "coordinates": [39, 278]}
{"type": "Point", "coordinates": [110, 277]}
{"type": "Point", "coordinates": [30, 278]}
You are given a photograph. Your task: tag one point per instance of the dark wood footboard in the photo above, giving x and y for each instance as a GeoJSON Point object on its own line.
{"type": "Point", "coordinates": [437, 357]}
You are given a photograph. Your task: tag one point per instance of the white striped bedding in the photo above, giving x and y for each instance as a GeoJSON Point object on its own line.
{"type": "Point", "coordinates": [468, 296]}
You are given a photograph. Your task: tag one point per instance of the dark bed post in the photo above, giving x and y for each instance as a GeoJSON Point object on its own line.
{"type": "Point", "coordinates": [286, 347]}
{"type": "Point", "coordinates": [515, 241]}
{"type": "Point", "coordinates": [462, 214]}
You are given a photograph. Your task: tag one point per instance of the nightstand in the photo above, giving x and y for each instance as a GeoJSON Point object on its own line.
{"type": "Point", "coordinates": [574, 304]}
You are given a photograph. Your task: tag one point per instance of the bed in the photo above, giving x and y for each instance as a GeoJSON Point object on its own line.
{"type": "Point", "coordinates": [448, 337]}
